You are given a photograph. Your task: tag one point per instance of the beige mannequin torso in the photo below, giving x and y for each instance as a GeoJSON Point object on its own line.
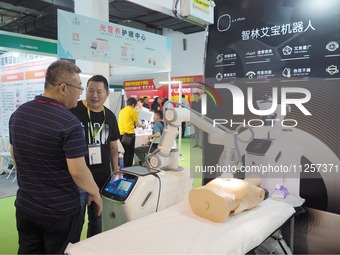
{"type": "Point", "coordinates": [223, 197]}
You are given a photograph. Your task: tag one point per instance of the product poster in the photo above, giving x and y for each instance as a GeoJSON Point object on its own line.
{"type": "Point", "coordinates": [275, 66]}
{"type": "Point", "coordinates": [22, 78]}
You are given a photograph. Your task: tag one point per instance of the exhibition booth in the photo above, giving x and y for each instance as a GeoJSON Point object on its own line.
{"type": "Point", "coordinates": [269, 115]}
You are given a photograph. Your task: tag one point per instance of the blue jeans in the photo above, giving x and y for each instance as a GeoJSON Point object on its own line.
{"type": "Point", "coordinates": [94, 226]}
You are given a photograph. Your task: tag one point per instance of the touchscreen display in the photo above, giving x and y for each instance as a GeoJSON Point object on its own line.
{"type": "Point", "coordinates": [119, 189]}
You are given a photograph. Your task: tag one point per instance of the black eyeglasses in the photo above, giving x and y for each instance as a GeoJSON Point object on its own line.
{"type": "Point", "coordinates": [80, 88]}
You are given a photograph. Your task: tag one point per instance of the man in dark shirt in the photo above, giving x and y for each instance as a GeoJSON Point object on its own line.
{"type": "Point", "coordinates": [48, 148]}
{"type": "Point", "coordinates": [101, 134]}
{"type": "Point", "coordinates": [146, 102]}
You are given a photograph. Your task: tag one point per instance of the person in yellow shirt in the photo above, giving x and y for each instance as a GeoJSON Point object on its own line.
{"type": "Point", "coordinates": [127, 121]}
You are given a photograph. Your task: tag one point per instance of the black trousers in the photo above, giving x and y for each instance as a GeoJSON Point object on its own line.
{"type": "Point", "coordinates": [142, 151]}
{"type": "Point", "coordinates": [183, 128]}
{"type": "Point", "coordinates": [129, 148]}
{"type": "Point", "coordinates": [40, 236]}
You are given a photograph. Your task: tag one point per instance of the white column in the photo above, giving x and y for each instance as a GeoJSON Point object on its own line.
{"type": "Point", "coordinates": [97, 9]}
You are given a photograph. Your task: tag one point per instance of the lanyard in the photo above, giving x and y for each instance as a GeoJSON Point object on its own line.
{"type": "Point", "coordinates": [91, 126]}
{"type": "Point", "coordinates": [50, 103]}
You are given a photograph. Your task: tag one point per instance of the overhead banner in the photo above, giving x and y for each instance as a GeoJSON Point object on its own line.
{"type": "Point", "coordinates": [27, 43]}
{"type": "Point", "coordinates": [84, 38]}
{"type": "Point", "coordinates": [275, 65]}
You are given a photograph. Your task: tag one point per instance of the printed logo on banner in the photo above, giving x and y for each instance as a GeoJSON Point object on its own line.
{"type": "Point", "coordinates": [225, 21]}
{"type": "Point", "coordinates": [332, 46]}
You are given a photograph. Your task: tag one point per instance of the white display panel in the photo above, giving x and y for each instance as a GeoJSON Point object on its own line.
{"type": "Point", "coordinates": [22, 77]}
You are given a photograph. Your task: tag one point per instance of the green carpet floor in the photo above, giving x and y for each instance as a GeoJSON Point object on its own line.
{"type": "Point", "coordinates": [8, 233]}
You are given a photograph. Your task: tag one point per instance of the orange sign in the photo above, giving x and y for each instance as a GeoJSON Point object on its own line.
{"type": "Point", "coordinates": [37, 74]}
{"type": "Point", "coordinates": [188, 79]}
{"type": "Point", "coordinates": [12, 77]}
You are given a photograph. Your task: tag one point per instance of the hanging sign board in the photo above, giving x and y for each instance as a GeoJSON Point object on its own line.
{"type": "Point", "coordinates": [85, 38]}
{"type": "Point", "coordinates": [146, 84]}
{"type": "Point", "coordinates": [27, 43]}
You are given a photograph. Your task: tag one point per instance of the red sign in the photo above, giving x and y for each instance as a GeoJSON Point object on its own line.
{"type": "Point", "coordinates": [135, 85]}
{"type": "Point", "coordinates": [188, 79]}
{"type": "Point", "coordinates": [141, 88]}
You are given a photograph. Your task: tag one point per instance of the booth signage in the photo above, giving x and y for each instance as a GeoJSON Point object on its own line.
{"type": "Point", "coordinates": [111, 43]}
{"type": "Point", "coordinates": [22, 78]}
{"type": "Point", "coordinates": [275, 65]}
{"type": "Point", "coordinates": [146, 87]}
{"type": "Point", "coordinates": [188, 79]}
{"type": "Point", "coordinates": [27, 44]}
{"type": "Point", "coordinates": [139, 85]}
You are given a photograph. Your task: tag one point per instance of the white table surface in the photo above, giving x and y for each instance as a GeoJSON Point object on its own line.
{"type": "Point", "coordinates": [176, 230]}
{"type": "Point", "coordinates": [141, 138]}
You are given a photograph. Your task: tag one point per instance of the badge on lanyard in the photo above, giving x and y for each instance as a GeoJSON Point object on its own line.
{"type": "Point", "coordinates": [95, 154]}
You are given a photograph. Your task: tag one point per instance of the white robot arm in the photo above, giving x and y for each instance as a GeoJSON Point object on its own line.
{"type": "Point", "coordinates": [217, 134]}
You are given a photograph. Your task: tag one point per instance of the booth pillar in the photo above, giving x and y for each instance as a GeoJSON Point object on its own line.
{"type": "Point", "coordinates": [98, 9]}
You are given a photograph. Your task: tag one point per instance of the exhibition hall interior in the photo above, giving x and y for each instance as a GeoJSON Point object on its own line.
{"type": "Point", "coordinates": [169, 127]}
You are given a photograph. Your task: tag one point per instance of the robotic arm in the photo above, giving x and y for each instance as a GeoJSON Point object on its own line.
{"type": "Point", "coordinates": [163, 157]}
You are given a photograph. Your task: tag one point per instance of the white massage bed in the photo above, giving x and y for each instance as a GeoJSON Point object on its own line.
{"type": "Point", "coordinates": [176, 230]}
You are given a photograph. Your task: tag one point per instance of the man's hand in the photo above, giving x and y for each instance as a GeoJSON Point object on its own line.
{"type": "Point", "coordinates": [98, 200]}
